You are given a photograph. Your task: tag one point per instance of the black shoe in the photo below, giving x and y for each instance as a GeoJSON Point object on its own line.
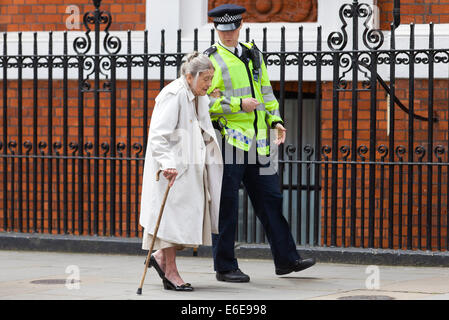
{"type": "Point", "coordinates": [232, 276]}
{"type": "Point", "coordinates": [153, 263]}
{"type": "Point", "coordinates": [168, 285]}
{"type": "Point", "coordinates": [299, 265]}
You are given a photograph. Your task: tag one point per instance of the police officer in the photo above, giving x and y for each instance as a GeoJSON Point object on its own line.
{"type": "Point", "coordinates": [244, 108]}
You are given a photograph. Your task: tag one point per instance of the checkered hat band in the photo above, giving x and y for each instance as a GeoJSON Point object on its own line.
{"type": "Point", "coordinates": [228, 19]}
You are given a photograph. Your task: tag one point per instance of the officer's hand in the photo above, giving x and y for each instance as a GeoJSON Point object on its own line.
{"type": "Point", "coordinates": [281, 132]}
{"type": "Point", "coordinates": [170, 175]}
{"type": "Point", "coordinates": [249, 104]}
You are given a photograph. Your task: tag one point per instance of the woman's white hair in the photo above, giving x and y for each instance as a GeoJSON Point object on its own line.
{"type": "Point", "coordinates": [196, 63]}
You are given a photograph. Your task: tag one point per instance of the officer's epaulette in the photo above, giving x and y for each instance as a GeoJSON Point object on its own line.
{"type": "Point", "coordinates": [254, 46]}
{"type": "Point", "coordinates": [250, 45]}
{"type": "Point", "coordinates": [210, 50]}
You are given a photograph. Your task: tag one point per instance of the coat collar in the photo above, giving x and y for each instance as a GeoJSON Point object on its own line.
{"type": "Point", "coordinates": [203, 109]}
{"type": "Point", "coordinates": [190, 94]}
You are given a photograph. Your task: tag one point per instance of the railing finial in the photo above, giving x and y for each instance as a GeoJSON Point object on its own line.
{"type": "Point", "coordinates": [97, 3]}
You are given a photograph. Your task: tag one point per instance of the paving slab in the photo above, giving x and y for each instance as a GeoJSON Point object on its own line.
{"type": "Point", "coordinates": [33, 275]}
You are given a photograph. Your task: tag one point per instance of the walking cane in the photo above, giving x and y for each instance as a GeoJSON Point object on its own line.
{"type": "Point", "coordinates": [139, 290]}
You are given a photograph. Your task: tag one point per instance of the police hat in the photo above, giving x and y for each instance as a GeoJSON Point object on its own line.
{"type": "Point", "coordinates": [227, 17]}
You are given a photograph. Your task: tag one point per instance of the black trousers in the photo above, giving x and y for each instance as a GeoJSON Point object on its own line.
{"type": "Point", "coordinates": [266, 198]}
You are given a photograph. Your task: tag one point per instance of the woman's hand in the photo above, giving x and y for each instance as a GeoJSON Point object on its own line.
{"type": "Point", "coordinates": [170, 174]}
{"type": "Point", "coordinates": [280, 134]}
{"type": "Point", "coordinates": [216, 93]}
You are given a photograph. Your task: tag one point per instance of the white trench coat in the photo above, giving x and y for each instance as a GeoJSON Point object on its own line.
{"type": "Point", "coordinates": [175, 141]}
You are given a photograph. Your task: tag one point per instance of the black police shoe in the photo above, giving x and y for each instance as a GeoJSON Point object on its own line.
{"type": "Point", "coordinates": [232, 276]}
{"type": "Point", "coordinates": [299, 265]}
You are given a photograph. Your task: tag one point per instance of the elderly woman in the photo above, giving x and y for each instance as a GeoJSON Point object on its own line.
{"type": "Point", "coordinates": [182, 144]}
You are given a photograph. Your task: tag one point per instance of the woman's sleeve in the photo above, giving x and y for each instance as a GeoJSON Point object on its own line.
{"type": "Point", "coordinates": [162, 137]}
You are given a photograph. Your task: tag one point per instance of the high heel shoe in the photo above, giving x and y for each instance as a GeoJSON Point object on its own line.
{"type": "Point", "coordinates": [153, 263]}
{"type": "Point", "coordinates": [168, 285]}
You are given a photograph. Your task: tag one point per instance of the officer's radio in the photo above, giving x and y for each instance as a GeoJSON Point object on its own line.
{"type": "Point", "coordinates": [255, 58]}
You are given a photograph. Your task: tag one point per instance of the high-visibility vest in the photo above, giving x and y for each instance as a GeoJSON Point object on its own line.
{"type": "Point", "coordinates": [237, 78]}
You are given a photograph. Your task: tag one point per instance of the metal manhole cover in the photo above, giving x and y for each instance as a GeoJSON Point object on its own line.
{"type": "Point", "coordinates": [366, 297]}
{"type": "Point", "coordinates": [53, 281]}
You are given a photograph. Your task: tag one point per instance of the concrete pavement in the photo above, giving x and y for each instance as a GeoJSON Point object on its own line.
{"type": "Point", "coordinates": [29, 275]}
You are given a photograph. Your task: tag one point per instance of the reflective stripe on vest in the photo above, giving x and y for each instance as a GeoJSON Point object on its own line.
{"type": "Point", "coordinates": [224, 71]}
{"type": "Point", "coordinates": [275, 113]}
{"type": "Point", "coordinates": [260, 107]}
{"type": "Point", "coordinates": [268, 94]}
{"type": "Point", "coordinates": [229, 90]}
{"type": "Point", "coordinates": [246, 91]}
{"type": "Point", "coordinates": [262, 143]}
{"type": "Point", "coordinates": [234, 134]}
{"type": "Point", "coordinates": [238, 136]}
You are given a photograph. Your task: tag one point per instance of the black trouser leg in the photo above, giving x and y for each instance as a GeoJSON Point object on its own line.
{"type": "Point", "coordinates": [266, 198]}
{"type": "Point", "coordinates": [223, 243]}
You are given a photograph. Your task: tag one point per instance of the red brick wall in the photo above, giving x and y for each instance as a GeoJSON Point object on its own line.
{"type": "Point", "coordinates": [416, 11]}
{"type": "Point", "coordinates": [401, 138]}
{"type": "Point", "coordinates": [37, 15]}
{"type": "Point", "coordinates": [137, 135]}
{"type": "Point", "coordinates": [273, 11]}
{"type": "Point", "coordinates": [50, 15]}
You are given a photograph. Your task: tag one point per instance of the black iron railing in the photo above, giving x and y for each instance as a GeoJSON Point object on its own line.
{"type": "Point", "coordinates": [354, 173]}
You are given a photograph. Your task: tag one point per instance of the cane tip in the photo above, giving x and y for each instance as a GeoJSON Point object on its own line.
{"type": "Point", "coordinates": [139, 291]}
